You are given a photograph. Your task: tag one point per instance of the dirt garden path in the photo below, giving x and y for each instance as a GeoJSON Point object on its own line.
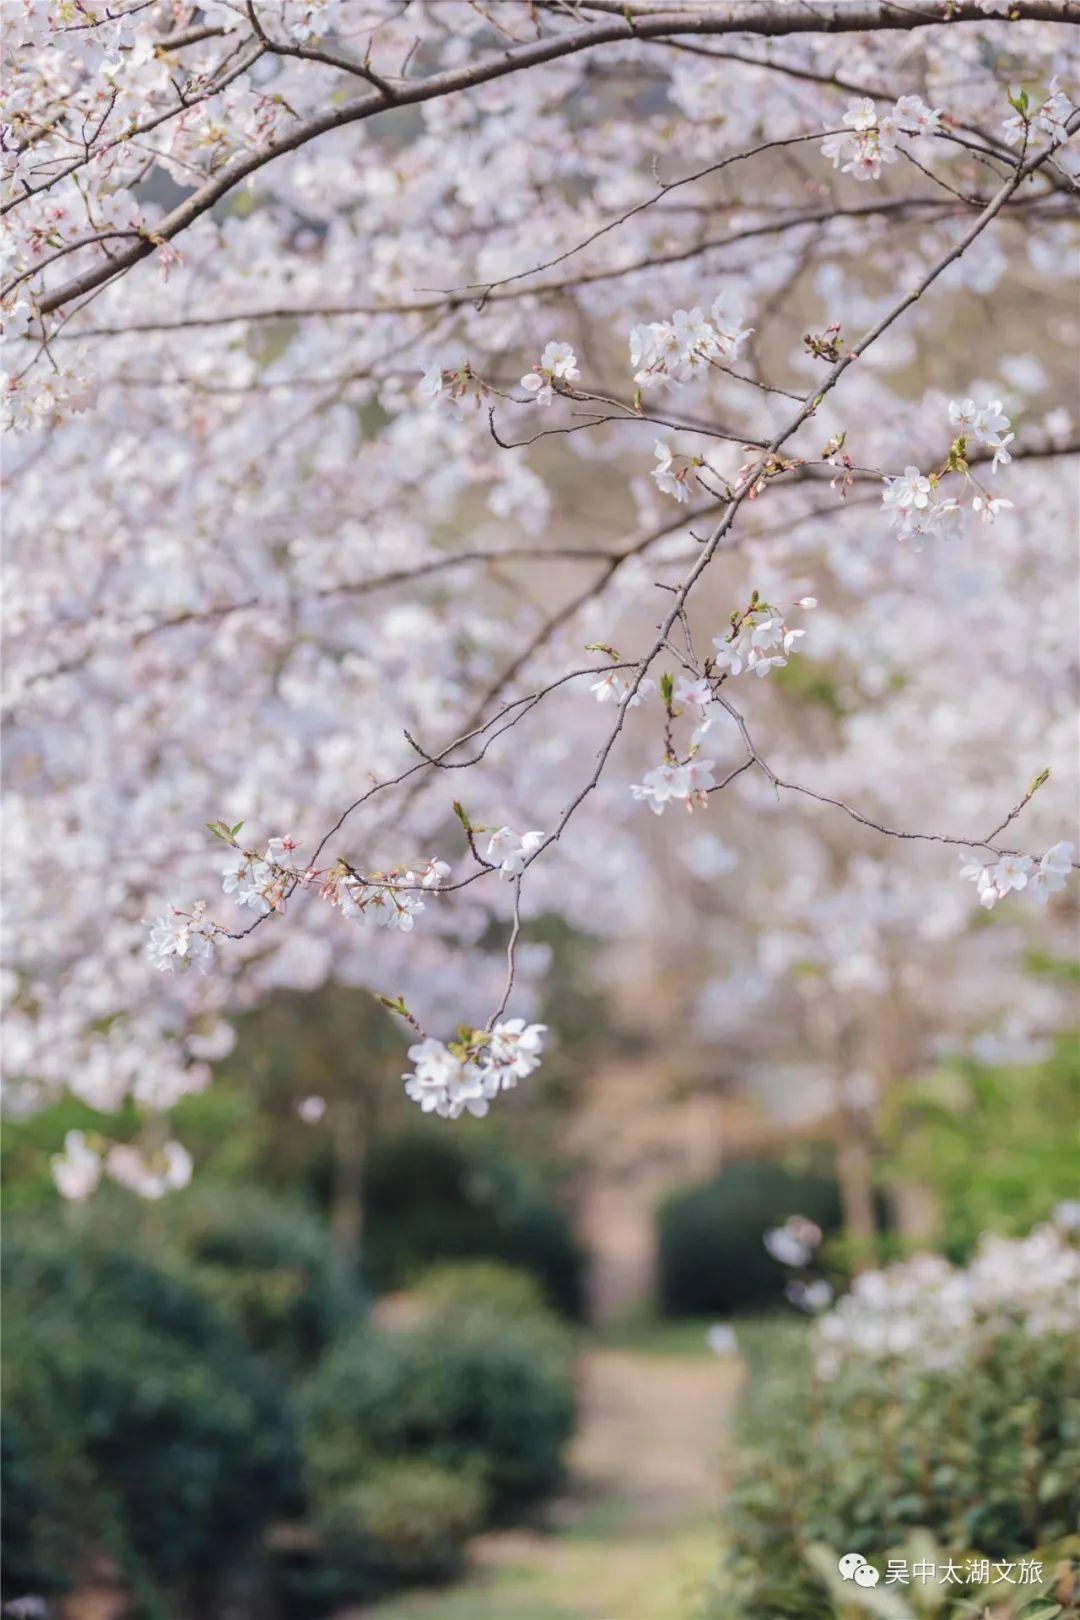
{"type": "Point", "coordinates": [634, 1534]}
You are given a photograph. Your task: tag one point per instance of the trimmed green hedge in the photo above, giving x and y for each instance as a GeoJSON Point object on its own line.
{"type": "Point", "coordinates": [712, 1257]}
{"type": "Point", "coordinates": [267, 1264]}
{"type": "Point", "coordinates": [402, 1524]}
{"type": "Point", "coordinates": [138, 1422]}
{"type": "Point", "coordinates": [486, 1396]}
{"type": "Point", "coordinates": [435, 1195]}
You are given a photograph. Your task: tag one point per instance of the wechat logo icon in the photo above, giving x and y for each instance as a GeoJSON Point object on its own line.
{"type": "Point", "coordinates": [853, 1567]}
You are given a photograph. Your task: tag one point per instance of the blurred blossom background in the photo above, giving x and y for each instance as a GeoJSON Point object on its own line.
{"type": "Point", "coordinates": [775, 1259]}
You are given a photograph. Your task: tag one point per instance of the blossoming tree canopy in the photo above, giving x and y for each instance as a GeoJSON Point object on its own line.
{"type": "Point", "coordinates": [429, 418]}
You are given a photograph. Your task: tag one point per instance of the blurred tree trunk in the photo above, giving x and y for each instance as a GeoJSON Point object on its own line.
{"type": "Point", "coordinates": [855, 1176]}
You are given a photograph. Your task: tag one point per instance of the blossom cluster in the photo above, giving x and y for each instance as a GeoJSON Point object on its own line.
{"type": "Point", "coordinates": [760, 640]}
{"type": "Point", "coordinates": [795, 1245]}
{"type": "Point", "coordinates": [613, 687]}
{"type": "Point", "coordinates": [509, 851]}
{"type": "Point", "coordinates": [684, 346]}
{"type": "Point", "coordinates": [870, 138]}
{"type": "Point", "coordinates": [558, 363]}
{"type": "Point", "coordinates": [390, 899]}
{"type": "Point", "coordinates": [1041, 878]}
{"type": "Point", "coordinates": [182, 940]}
{"type": "Point", "coordinates": [262, 882]}
{"type": "Point", "coordinates": [916, 501]}
{"type": "Point", "coordinates": [925, 1315]}
{"type": "Point", "coordinates": [1051, 115]}
{"type": "Point", "coordinates": [676, 473]}
{"type": "Point", "coordinates": [468, 1074]}
{"type": "Point", "coordinates": [78, 1170]}
{"type": "Point", "coordinates": [670, 782]}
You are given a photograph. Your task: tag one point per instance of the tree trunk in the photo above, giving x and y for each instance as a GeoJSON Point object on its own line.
{"type": "Point", "coordinates": [853, 1172]}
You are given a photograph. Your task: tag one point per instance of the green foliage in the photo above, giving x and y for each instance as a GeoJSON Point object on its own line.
{"type": "Point", "coordinates": [27, 1146]}
{"type": "Point", "coordinates": [982, 1461]}
{"type": "Point", "coordinates": [402, 1524]}
{"type": "Point", "coordinates": [32, 1551]}
{"type": "Point", "coordinates": [416, 1436]}
{"type": "Point", "coordinates": [266, 1263]}
{"type": "Point", "coordinates": [137, 1421]}
{"type": "Point", "coordinates": [472, 1285]}
{"type": "Point", "coordinates": [997, 1147]}
{"type": "Point", "coordinates": [712, 1255]}
{"type": "Point", "coordinates": [810, 682]}
{"type": "Point", "coordinates": [489, 1397]}
{"type": "Point", "coordinates": [435, 1195]}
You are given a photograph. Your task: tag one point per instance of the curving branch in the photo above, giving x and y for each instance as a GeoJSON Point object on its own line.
{"type": "Point", "coordinates": [766, 17]}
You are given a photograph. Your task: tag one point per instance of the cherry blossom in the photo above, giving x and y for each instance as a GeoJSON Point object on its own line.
{"type": "Point", "coordinates": [613, 687]}
{"type": "Point", "coordinates": [150, 1176]}
{"type": "Point", "coordinates": [558, 362]}
{"type": "Point", "coordinates": [674, 473]}
{"type": "Point", "coordinates": [994, 880]}
{"type": "Point", "coordinates": [77, 1170]}
{"type": "Point", "coordinates": [1051, 874]}
{"type": "Point", "coordinates": [923, 1314]}
{"type": "Point", "coordinates": [668, 783]}
{"type": "Point", "coordinates": [685, 346]}
{"type": "Point", "coordinates": [510, 850]}
{"type": "Point", "coordinates": [282, 543]}
{"type": "Point", "coordinates": [181, 940]}
{"type": "Point", "coordinates": [468, 1075]}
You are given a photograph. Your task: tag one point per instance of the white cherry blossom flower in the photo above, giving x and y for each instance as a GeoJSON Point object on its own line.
{"type": "Point", "coordinates": [559, 360]}
{"type": "Point", "coordinates": [16, 317]}
{"type": "Point", "coordinates": [963, 414]}
{"type": "Point", "coordinates": [914, 117]}
{"type": "Point", "coordinates": [613, 687]}
{"type": "Point", "coordinates": [510, 850]}
{"type": "Point", "coordinates": [178, 941]}
{"type": "Point", "coordinates": [693, 690]}
{"type": "Point", "coordinates": [674, 473]}
{"type": "Point", "coordinates": [535, 382]}
{"type": "Point", "coordinates": [1052, 873]}
{"type": "Point", "coordinates": [167, 1170]}
{"type": "Point", "coordinates": [1053, 116]}
{"type": "Point", "coordinates": [997, 879]}
{"type": "Point", "coordinates": [990, 422]}
{"type": "Point", "coordinates": [662, 784]}
{"type": "Point", "coordinates": [1002, 454]}
{"type": "Point", "coordinates": [988, 507]}
{"type": "Point", "coordinates": [516, 1047]}
{"type": "Point", "coordinates": [432, 382]}
{"type": "Point", "coordinates": [77, 1170]}
{"type": "Point", "coordinates": [434, 873]}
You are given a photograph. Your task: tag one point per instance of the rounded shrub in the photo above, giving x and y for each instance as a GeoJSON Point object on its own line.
{"type": "Point", "coordinates": [402, 1524]}
{"type": "Point", "coordinates": [479, 1285]}
{"type": "Point", "coordinates": [486, 1396]}
{"type": "Point", "coordinates": [141, 1425]}
{"type": "Point", "coordinates": [433, 1195]}
{"type": "Point", "coordinates": [712, 1256]}
{"type": "Point", "coordinates": [267, 1264]}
